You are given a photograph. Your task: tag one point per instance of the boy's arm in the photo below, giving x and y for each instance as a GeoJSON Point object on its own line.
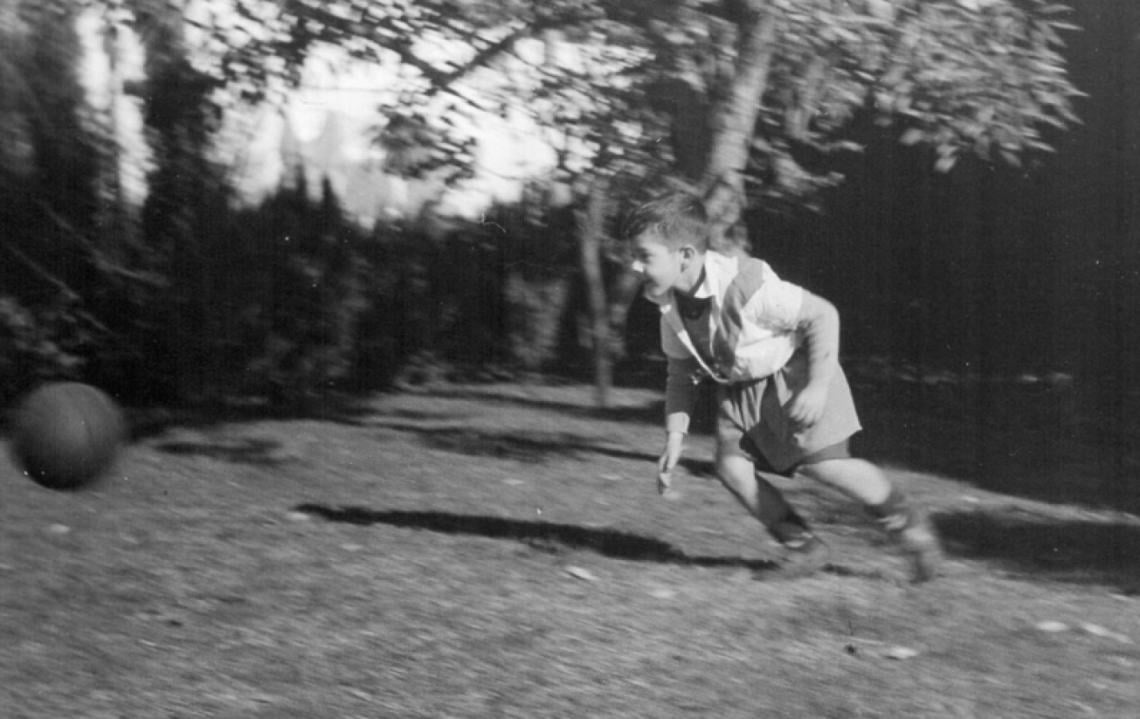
{"type": "Point", "coordinates": [680, 394]}
{"type": "Point", "coordinates": [818, 321]}
{"type": "Point", "coordinates": [680, 397]}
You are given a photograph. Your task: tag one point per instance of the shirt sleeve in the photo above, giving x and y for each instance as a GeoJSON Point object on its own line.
{"type": "Point", "coordinates": [671, 344]}
{"type": "Point", "coordinates": [680, 394]}
{"type": "Point", "coordinates": [776, 304]}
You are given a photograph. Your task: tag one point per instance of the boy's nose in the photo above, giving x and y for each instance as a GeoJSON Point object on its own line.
{"type": "Point", "coordinates": [638, 266]}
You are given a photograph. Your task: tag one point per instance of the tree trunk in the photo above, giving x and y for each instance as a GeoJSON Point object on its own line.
{"type": "Point", "coordinates": [121, 238]}
{"type": "Point", "coordinates": [734, 121]}
{"type": "Point", "coordinates": [591, 227]}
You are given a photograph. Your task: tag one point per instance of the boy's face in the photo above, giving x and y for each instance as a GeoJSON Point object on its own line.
{"type": "Point", "coordinates": [662, 267]}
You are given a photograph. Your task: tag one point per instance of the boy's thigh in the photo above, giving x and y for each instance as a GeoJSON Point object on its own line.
{"type": "Point", "coordinates": [739, 409]}
{"type": "Point", "coordinates": [733, 441]}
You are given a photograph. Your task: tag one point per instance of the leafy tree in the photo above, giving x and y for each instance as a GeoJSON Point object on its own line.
{"type": "Point", "coordinates": [777, 84]}
{"type": "Point", "coordinates": [49, 204]}
{"type": "Point", "coordinates": [746, 99]}
{"type": "Point", "coordinates": [126, 296]}
{"type": "Point", "coordinates": [754, 96]}
{"type": "Point", "coordinates": [757, 90]}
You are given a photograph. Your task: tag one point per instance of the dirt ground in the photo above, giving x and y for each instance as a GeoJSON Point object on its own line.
{"type": "Point", "coordinates": [500, 551]}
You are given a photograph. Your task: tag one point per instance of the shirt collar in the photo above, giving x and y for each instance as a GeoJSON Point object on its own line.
{"type": "Point", "coordinates": [705, 289]}
{"type": "Point", "coordinates": [708, 287]}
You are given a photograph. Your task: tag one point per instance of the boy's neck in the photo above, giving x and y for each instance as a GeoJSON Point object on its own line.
{"type": "Point", "coordinates": [692, 278]}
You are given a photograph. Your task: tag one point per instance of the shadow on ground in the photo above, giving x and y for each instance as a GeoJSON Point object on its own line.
{"type": "Point", "coordinates": [556, 538]}
{"type": "Point", "coordinates": [1027, 441]}
{"type": "Point", "coordinates": [544, 536]}
{"type": "Point", "coordinates": [246, 450]}
{"type": "Point", "coordinates": [149, 422]}
{"type": "Point", "coordinates": [1047, 547]}
{"type": "Point", "coordinates": [1032, 443]}
{"type": "Point", "coordinates": [651, 412]}
{"type": "Point", "coordinates": [533, 446]}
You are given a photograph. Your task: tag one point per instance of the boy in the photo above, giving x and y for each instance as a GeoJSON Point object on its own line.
{"type": "Point", "coordinates": [784, 404]}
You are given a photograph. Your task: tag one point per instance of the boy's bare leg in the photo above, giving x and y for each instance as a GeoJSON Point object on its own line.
{"type": "Point", "coordinates": [864, 482]}
{"type": "Point", "coordinates": [805, 553]}
{"type": "Point", "coordinates": [857, 478]}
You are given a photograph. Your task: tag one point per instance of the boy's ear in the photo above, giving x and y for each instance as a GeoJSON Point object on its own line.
{"type": "Point", "coordinates": [688, 252]}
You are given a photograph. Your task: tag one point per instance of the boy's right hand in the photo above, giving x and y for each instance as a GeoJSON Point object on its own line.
{"type": "Point", "coordinates": [674, 444]}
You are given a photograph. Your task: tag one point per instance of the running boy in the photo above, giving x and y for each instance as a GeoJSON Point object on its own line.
{"type": "Point", "coordinates": [772, 349]}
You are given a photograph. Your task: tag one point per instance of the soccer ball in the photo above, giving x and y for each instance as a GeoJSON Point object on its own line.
{"type": "Point", "coordinates": [65, 435]}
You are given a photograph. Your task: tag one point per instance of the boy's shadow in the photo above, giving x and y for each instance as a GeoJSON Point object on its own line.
{"type": "Point", "coordinates": [544, 536]}
{"type": "Point", "coordinates": [554, 538]}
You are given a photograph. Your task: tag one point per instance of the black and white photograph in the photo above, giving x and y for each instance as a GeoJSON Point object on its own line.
{"type": "Point", "coordinates": [569, 359]}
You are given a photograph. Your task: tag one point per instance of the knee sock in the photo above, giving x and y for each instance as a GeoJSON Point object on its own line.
{"type": "Point", "coordinates": [895, 513]}
{"type": "Point", "coordinates": [790, 530]}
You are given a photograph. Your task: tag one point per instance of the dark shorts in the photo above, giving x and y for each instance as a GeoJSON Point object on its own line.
{"type": "Point", "coordinates": [839, 450]}
{"type": "Point", "coordinates": [751, 421]}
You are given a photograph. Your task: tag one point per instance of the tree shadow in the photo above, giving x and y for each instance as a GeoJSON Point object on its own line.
{"type": "Point", "coordinates": [1030, 443]}
{"type": "Point", "coordinates": [545, 537]}
{"type": "Point", "coordinates": [245, 450]}
{"type": "Point", "coordinates": [1067, 550]}
{"type": "Point", "coordinates": [652, 412]}
{"type": "Point", "coordinates": [146, 422]}
{"type": "Point", "coordinates": [533, 446]}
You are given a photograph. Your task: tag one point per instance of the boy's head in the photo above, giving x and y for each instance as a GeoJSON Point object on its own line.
{"type": "Point", "coordinates": [669, 236]}
{"type": "Point", "coordinates": [676, 218]}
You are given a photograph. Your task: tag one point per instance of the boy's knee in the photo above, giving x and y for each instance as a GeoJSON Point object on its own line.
{"type": "Point", "coordinates": [732, 469]}
{"type": "Point", "coordinates": [724, 460]}
{"type": "Point", "coordinates": [818, 470]}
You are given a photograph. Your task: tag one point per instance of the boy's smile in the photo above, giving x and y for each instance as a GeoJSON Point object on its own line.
{"type": "Point", "coordinates": [664, 268]}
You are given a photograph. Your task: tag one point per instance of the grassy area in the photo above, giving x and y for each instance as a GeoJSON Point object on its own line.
{"type": "Point", "coordinates": [500, 551]}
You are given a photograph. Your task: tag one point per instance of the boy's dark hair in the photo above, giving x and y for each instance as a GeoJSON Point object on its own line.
{"type": "Point", "coordinates": [677, 218]}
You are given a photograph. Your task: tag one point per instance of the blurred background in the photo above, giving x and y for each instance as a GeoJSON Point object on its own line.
{"type": "Point", "coordinates": [243, 202]}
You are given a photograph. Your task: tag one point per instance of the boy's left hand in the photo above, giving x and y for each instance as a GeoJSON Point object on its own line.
{"type": "Point", "coordinates": [807, 406]}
